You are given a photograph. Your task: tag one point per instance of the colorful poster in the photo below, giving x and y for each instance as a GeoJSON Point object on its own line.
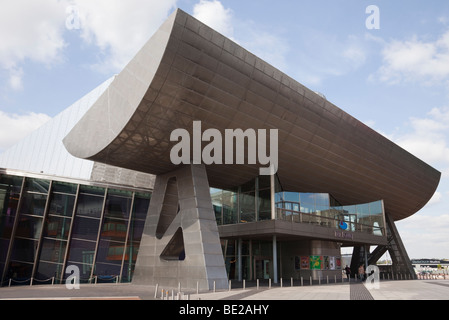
{"type": "Point", "coordinates": [316, 262]}
{"type": "Point", "coordinates": [332, 263]}
{"type": "Point", "coordinates": [305, 262]}
{"type": "Point", "coordinates": [338, 263]}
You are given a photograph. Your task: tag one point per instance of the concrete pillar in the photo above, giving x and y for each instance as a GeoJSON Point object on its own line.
{"type": "Point", "coordinates": [275, 260]}
{"type": "Point", "coordinates": [180, 242]}
{"type": "Point", "coordinates": [239, 259]}
{"type": "Point", "coordinates": [273, 195]}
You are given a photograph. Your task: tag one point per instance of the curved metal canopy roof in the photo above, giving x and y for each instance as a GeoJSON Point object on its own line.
{"type": "Point", "coordinates": [188, 72]}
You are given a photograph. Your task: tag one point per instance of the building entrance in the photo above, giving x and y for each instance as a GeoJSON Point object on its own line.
{"type": "Point", "coordinates": [262, 267]}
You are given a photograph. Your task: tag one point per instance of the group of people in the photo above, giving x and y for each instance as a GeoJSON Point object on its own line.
{"type": "Point", "coordinates": [361, 272]}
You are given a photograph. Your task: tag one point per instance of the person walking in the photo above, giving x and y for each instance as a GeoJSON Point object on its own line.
{"type": "Point", "coordinates": [362, 273]}
{"type": "Point", "coordinates": [348, 272]}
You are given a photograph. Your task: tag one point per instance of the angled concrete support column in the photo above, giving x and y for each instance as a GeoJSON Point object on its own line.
{"type": "Point", "coordinates": [181, 243]}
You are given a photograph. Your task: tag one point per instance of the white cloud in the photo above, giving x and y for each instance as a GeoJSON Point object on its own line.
{"type": "Point", "coordinates": [30, 30]}
{"type": "Point", "coordinates": [415, 60]}
{"type": "Point", "coordinates": [428, 137]}
{"type": "Point", "coordinates": [15, 127]}
{"type": "Point", "coordinates": [34, 31]}
{"type": "Point", "coordinates": [215, 15]}
{"type": "Point", "coordinates": [120, 28]}
{"type": "Point", "coordinates": [15, 78]}
{"type": "Point", "coordinates": [269, 46]}
{"type": "Point", "coordinates": [323, 56]}
{"type": "Point", "coordinates": [425, 236]}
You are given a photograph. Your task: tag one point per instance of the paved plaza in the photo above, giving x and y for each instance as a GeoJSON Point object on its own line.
{"type": "Point", "coordinates": [389, 290]}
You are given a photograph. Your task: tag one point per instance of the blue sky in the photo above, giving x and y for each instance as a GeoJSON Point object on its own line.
{"type": "Point", "coordinates": [395, 79]}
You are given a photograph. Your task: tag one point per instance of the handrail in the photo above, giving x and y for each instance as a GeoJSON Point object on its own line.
{"type": "Point", "coordinates": [314, 218]}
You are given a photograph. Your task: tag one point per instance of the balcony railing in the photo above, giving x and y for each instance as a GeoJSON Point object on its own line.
{"type": "Point", "coordinates": [331, 218]}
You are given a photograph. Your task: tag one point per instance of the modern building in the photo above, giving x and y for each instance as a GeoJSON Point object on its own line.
{"type": "Point", "coordinates": [336, 182]}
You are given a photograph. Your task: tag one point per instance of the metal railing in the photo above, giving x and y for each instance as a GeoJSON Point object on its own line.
{"type": "Point", "coordinates": [325, 219]}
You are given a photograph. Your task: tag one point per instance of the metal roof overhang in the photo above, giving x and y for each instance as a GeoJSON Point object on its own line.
{"type": "Point", "coordinates": [188, 72]}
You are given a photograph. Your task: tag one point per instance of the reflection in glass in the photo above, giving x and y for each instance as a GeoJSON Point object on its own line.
{"type": "Point", "coordinates": [230, 209]}
{"type": "Point", "coordinates": [89, 206]}
{"type": "Point", "coordinates": [57, 227]}
{"type": "Point", "coordinates": [264, 205]}
{"type": "Point", "coordinates": [247, 207]}
{"type": "Point", "coordinates": [46, 271]}
{"type": "Point", "coordinates": [29, 227]}
{"type": "Point", "coordinates": [118, 207]}
{"type": "Point", "coordinates": [37, 185]}
{"type": "Point", "coordinates": [34, 204]}
{"type": "Point", "coordinates": [81, 251]}
{"type": "Point", "coordinates": [85, 228]}
{"type": "Point", "coordinates": [53, 250]}
{"type": "Point", "coordinates": [65, 235]}
{"type": "Point", "coordinates": [62, 204]}
{"type": "Point", "coordinates": [24, 250]}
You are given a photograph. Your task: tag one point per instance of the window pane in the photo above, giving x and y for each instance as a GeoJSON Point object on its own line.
{"type": "Point", "coordinates": [265, 205]}
{"type": "Point", "coordinates": [117, 207]}
{"type": "Point", "coordinates": [53, 251]}
{"type": "Point", "coordinates": [141, 206]}
{"type": "Point", "coordinates": [230, 207]}
{"type": "Point", "coordinates": [34, 204]}
{"type": "Point", "coordinates": [8, 208]}
{"type": "Point", "coordinates": [89, 206]}
{"type": "Point", "coordinates": [110, 252]}
{"type": "Point", "coordinates": [24, 250]}
{"type": "Point", "coordinates": [37, 185]}
{"type": "Point", "coordinates": [92, 190]}
{"type": "Point", "coordinates": [114, 229]}
{"type": "Point", "coordinates": [82, 251]}
{"type": "Point", "coordinates": [307, 198]}
{"type": "Point", "coordinates": [12, 183]}
{"type": "Point", "coordinates": [247, 207]}
{"type": "Point", "coordinates": [29, 227]}
{"type": "Point", "coordinates": [62, 204]}
{"type": "Point", "coordinates": [63, 187]}
{"type": "Point", "coordinates": [57, 227]}
{"type": "Point", "coordinates": [86, 228]}
{"type": "Point", "coordinates": [136, 230]}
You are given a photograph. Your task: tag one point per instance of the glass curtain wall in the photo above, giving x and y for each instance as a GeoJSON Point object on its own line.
{"type": "Point", "coordinates": [47, 225]}
{"type": "Point", "coordinates": [252, 202]}
{"type": "Point", "coordinates": [248, 203]}
{"type": "Point", "coordinates": [10, 191]}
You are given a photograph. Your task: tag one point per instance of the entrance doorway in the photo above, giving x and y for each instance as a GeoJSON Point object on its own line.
{"type": "Point", "coordinates": [262, 267]}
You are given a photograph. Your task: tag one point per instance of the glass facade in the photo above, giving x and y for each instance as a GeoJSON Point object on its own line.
{"type": "Point", "coordinates": [252, 202]}
{"type": "Point", "coordinates": [47, 225]}
{"type": "Point", "coordinates": [248, 203]}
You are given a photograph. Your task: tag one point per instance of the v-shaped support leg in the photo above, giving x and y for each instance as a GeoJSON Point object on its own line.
{"type": "Point", "coordinates": [181, 243]}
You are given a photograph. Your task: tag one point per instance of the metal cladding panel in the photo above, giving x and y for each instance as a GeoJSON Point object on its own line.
{"type": "Point", "coordinates": [188, 72]}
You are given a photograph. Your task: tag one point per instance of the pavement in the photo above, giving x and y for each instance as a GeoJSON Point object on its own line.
{"type": "Point", "coordinates": [388, 290]}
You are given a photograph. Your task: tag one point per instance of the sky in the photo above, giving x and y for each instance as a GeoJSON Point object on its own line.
{"type": "Point", "coordinates": [386, 65]}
